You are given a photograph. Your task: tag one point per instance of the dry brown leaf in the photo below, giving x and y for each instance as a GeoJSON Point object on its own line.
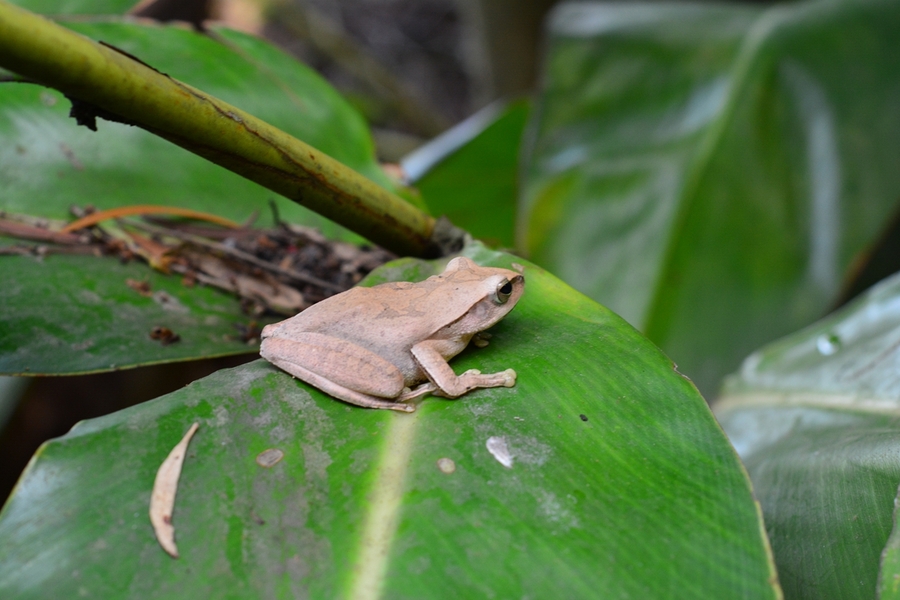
{"type": "Point", "coordinates": [262, 287]}
{"type": "Point", "coordinates": [162, 500]}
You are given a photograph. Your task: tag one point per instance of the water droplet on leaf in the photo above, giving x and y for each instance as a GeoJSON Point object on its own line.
{"type": "Point", "coordinates": [828, 344]}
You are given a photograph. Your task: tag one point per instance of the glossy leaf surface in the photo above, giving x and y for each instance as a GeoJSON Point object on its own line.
{"type": "Point", "coordinates": [69, 314]}
{"type": "Point", "coordinates": [76, 7]}
{"type": "Point", "coordinates": [711, 172]}
{"type": "Point", "coordinates": [48, 163]}
{"type": "Point", "coordinates": [620, 485]}
{"type": "Point", "coordinates": [476, 185]}
{"type": "Point", "coordinates": [816, 420]}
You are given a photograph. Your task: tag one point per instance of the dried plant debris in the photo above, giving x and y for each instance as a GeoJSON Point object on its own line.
{"type": "Point", "coordinates": [162, 499]}
{"type": "Point", "coordinates": [280, 270]}
{"type": "Point", "coordinates": [164, 335]}
{"type": "Point", "coordinates": [249, 332]}
{"type": "Point", "coordinates": [141, 287]}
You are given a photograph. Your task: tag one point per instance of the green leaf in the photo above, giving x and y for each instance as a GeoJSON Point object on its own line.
{"type": "Point", "coordinates": [88, 319]}
{"type": "Point", "coordinates": [475, 185]}
{"type": "Point", "coordinates": [76, 7]}
{"type": "Point", "coordinates": [815, 418]}
{"type": "Point", "coordinates": [889, 575]}
{"type": "Point", "coordinates": [48, 163]}
{"type": "Point", "coordinates": [621, 482]}
{"type": "Point", "coordinates": [710, 172]}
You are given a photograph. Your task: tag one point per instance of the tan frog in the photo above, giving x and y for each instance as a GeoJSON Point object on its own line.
{"type": "Point", "coordinates": [370, 346]}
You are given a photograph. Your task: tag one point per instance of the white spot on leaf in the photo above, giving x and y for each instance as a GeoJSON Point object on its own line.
{"type": "Point", "coordinates": [499, 450]}
{"type": "Point", "coordinates": [556, 513]}
{"type": "Point", "coordinates": [446, 465]}
{"type": "Point", "coordinates": [269, 458]}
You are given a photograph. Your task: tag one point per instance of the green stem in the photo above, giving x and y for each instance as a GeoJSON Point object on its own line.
{"type": "Point", "coordinates": [117, 83]}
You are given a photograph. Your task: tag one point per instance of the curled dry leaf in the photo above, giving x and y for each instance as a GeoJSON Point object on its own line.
{"type": "Point", "coordinates": [162, 500]}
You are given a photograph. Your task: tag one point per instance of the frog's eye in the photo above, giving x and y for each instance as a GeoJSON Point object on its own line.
{"type": "Point", "coordinates": [503, 292]}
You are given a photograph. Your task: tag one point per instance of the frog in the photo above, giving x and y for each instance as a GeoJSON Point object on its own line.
{"type": "Point", "coordinates": [383, 346]}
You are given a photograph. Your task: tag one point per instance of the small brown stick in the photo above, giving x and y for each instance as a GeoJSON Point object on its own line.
{"type": "Point", "coordinates": [146, 209]}
{"type": "Point", "coordinates": [42, 250]}
{"type": "Point", "coordinates": [30, 232]}
{"type": "Point", "coordinates": [162, 500]}
{"type": "Point", "coordinates": [16, 251]}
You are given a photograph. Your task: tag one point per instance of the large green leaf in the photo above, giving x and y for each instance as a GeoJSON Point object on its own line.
{"type": "Point", "coordinates": [816, 420]}
{"type": "Point", "coordinates": [474, 184]}
{"type": "Point", "coordinates": [47, 164]}
{"type": "Point", "coordinates": [709, 171]}
{"type": "Point", "coordinates": [621, 484]}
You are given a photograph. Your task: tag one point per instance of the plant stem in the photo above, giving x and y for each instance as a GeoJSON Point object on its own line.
{"type": "Point", "coordinates": [118, 86]}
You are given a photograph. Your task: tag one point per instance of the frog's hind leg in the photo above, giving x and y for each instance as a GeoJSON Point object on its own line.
{"type": "Point", "coordinates": [315, 351]}
{"type": "Point", "coordinates": [338, 391]}
{"type": "Point", "coordinates": [417, 392]}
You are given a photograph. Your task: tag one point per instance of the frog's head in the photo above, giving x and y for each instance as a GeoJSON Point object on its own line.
{"type": "Point", "coordinates": [492, 291]}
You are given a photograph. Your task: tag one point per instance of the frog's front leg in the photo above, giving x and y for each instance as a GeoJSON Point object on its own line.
{"type": "Point", "coordinates": [338, 368]}
{"type": "Point", "coordinates": [447, 383]}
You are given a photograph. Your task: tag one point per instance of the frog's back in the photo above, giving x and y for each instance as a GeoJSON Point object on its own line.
{"type": "Point", "coordinates": [355, 315]}
{"type": "Point", "coordinates": [396, 314]}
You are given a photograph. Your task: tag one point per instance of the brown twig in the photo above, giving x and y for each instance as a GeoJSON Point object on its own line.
{"type": "Point", "coordinates": [38, 234]}
{"type": "Point", "coordinates": [146, 209]}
